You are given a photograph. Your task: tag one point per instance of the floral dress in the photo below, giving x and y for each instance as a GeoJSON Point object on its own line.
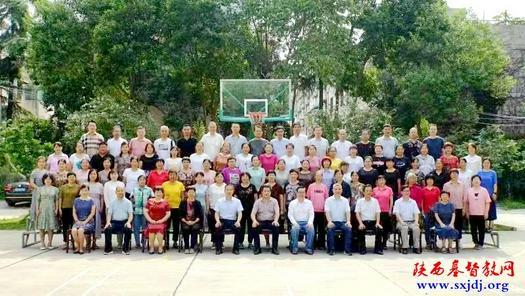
{"type": "Point", "coordinates": [47, 198]}
{"type": "Point", "coordinates": [36, 177]}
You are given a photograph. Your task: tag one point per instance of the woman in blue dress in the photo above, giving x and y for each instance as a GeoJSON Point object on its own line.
{"type": "Point", "coordinates": [445, 215]}
{"type": "Point", "coordinates": [84, 209]}
{"type": "Point", "coordinates": [489, 181]}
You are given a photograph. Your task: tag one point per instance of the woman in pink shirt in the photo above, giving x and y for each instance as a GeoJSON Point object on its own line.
{"type": "Point", "coordinates": [477, 208]}
{"type": "Point", "coordinates": [385, 197]}
{"type": "Point", "coordinates": [209, 174]}
{"type": "Point", "coordinates": [268, 159]}
{"type": "Point", "coordinates": [313, 159]}
{"type": "Point", "coordinates": [317, 193]}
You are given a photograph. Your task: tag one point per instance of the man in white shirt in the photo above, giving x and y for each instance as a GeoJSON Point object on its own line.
{"type": "Point", "coordinates": [235, 139]}
{"type": "Point", "coordinates": [228, 215]}
{"type": "Point", "coordinates": [299, 141]}
{"type": "Point", "coordinates": [212, 141]}
{"type": "Point", "coordinates": [367, 213]}
{"type": "Point", "coordinates": [301, 216]}
{"type": "Point", "coordinates": [319, 142]}
{"type": "Point", "coordinates": [407, 216]}
{"type": "Point", "coordinates": [388, 142]}
{"type": "Point", "coordinates": [342, 145]}
{"type": "Point", "coordinates": [115, 143]}
{"type": "Point", "coordinates": [292, 161]}
{"type": "Point", "coordinates": [164, 144]}
{"type": "Point", "coordinates": [280, 142]}
{"type": "Point", "coordinates": [337, 211]}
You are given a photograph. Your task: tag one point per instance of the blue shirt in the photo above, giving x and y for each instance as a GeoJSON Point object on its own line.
{"type": "Point", "coordinates": [435, 146]}
{"type": "Point", "coordinates": [444, 212]}
{"type": "Point", "coordinates": [119, 209]}
{"type": "Point", "coordinates": [488, 179]}
{"type": "Point", "coordinates": [228, 209]}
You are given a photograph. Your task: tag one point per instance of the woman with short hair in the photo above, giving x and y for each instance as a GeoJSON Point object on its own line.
{"type": "Point", "coordinates": [46, 204]}
{"type": "Point", "coordinates": [306, 176]}
{"type": "Point", "coordinates": [191, 214]}
{"type": "Point", "coordinates": [123, 160]}
{"type": "Point", "coordinates": [221, 160]}
{"type": "Point", "coordinates": [368, 175]}
{"type": "Point", "coordinates": [477, 208]}
{"type": "Point", "coordinates": [61, 174]}
{"type": "Point", "coordinates": [76, 158]}
{"type": "Point", "coordinates": [96, 192]}
{"type": "Point", "coordinates": [84, 210]}
{"type": "Point", "coordinates": [444, 213]}
{"type": "Point", "coordinates": [313, 159]}
{"type": "Point", "coordinates": [489, 181]}
{"type": "Point", "coordinates": [67, 194]}
{"type": "Point", "coordinates": [157, 213]}
{"type": "Point", "coordinates": [149, 158]}
{"type": "Point", "coordinates": [35, 182]}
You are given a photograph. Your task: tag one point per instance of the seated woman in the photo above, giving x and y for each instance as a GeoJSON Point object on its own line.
{"type": "Point", "coordinates": [445, 216]}
{"type": "Point", "coordinates": [157, 212]}
{"type": "Point", "coordinates": [84, 210]}
{"type": "Point", "coordinates": [191, 217]}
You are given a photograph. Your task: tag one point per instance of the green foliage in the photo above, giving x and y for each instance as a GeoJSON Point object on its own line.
{"type": "Point", "coordinates": [13, 224]}
{"type": "Point", "coordinates": [23, 141]}
{"type": "Point", "coordinates": [354, 117]}
{"type": "Point", "coordinates": [13, 38]}
{"type": "Point", "coordinates": [106, 112]}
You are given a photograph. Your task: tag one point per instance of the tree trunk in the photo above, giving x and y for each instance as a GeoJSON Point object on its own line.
{"type": "Point", "coordinates": [321, 99]}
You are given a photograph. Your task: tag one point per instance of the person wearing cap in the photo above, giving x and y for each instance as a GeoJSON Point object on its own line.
{"type": "Point", "coordinates": [387, 141]}
{"type": "Point", "coordinates": [97, 160]}
{"type": "Point", "coordinates": [407, 217]}
{"type": "Point", "coordinates": [367, 211]}
{"type": "Point", "coordinates": [54, 158]}
{"type": "Point", "coordinates": [279, 142]}
{"type": "Point", "coordinates": [449, 160]}
{"type": "Point", "coordinates": [342, 145]}
{"type": "Point", "coordinates": [228, 215]}
{"type": "Point", "coordinates": [337, 210]}
{"type": "Point", "coordinates": [458, 195]}
{"type": "Point", "coordinates": [355, 162]}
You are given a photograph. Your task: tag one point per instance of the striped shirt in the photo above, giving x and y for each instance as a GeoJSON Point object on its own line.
{"type": "Point", "coordinates": [91, 143]}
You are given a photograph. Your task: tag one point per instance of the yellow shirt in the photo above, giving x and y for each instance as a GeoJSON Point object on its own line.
{"type": "Point", "coordinates": [336, 164]}
{"type": "Point", "coordinates": [173, 193]}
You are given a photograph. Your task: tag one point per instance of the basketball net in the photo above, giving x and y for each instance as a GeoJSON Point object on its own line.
{"type": "Point", "coordinates": [256, 118]}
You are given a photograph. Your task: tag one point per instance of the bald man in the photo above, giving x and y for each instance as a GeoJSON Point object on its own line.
{"type": "Point", "coordinates": [119, 217]}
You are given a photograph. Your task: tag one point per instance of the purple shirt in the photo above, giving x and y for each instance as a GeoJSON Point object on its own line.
{"type": "Point", "coordinates": [52, 161]}
{"type": "Point", "coordinates": [231, 176]}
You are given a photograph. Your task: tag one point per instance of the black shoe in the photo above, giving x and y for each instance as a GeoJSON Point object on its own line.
{"type": "Point", "coordinates": [363, 252]}
{"type": "Point", "coordinates": [331, 252]}
{"type": "Point", "coordinates": [417, 251]}
{"type": "Point", "coordinates": [275, 251]}
{"type": "Point", "coordinates": [241, 246]}
{"type": "Point", "coordinates": [294, 252]}
{"type": "Point", "coordinates": [257, 251]}
{"type": "Point", "coordinates": [235, 251]}
{"type": "Point", "coordinates": [348, 253]}
{"type": "Point", "coordinates": [404, 251]}
{"type": "Point", "coordinates": [322, 248]}
{"type": "Point", "coordinates": [379, 252]}
{"type": "Point", "coordinates": [218, 251]}
{"type": "Point", "coordinates": [175, 245]}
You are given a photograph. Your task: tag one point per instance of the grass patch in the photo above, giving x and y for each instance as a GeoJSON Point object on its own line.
{"type": "Point", "coordinates": [13, 224]}
{"type": "Point", "coordinates": [511, 204]}
{"type": "Point", "coordinates": [2, 195]}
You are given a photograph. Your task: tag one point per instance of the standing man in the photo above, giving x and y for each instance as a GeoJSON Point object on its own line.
{"type": "Point", "coordinates": [228, 215]}
{"type": "Point", "coordinates": [413, 145]}
{"type": "Point", "coordinates": [299, 141]}
{"type": "Point", "coordinates": [301, 216]}
{"type": "Point", "coordinates": [365, 147]}
{"type": "Point", "coordinates": [367, 212]}
{"type": "Point", "coordinates": [337, 209]}
{"type": "Point", "coordinates": [164, 144]}
{"type": "Point", "coordinates": [258, 142]}
{"type": "Point", "coordinates": [91, 139]}
{"type": "Point", "coordinates": [388, 142]}
{"type": "Point", "coordinates": [115, 143]}
{"type": "Point", "coordinates": [97, 160]}
{"type": "Point", "coordinates": [212, 141]}
{"type": "Point", "coordinates": [434, 142]}
{"type": "Point", "coordinates": [319, 142]}
{"type": "Point", "coordinates": [407, 216]}
{"type": "Point", "coordinates": [279, 142]}
{"type": "Point", "coordinates": [187, 143]}
{"type": "Point", "coordinates": [52, 159]}
{"type": "Point", "coordinates": [119, 217]}
{"type": "Point", "coordinates": [236, 140]}
{"type": "Point", "coordinates": [137, 145]}
{"type": "Point", "coordinates": [342, 145]}
{"type": "Point", "coordinates": [265, 215]}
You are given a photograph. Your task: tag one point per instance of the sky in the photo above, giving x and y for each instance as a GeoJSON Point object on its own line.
{"type": "Point", "coordinates": [487, 9]}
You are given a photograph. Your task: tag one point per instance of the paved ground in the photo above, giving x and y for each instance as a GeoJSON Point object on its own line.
{"type": "Point", "coordinates": [33, 272]}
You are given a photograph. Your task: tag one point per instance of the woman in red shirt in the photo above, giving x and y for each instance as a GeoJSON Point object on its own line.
{"type": "Point", "coordinates": [449, 160]}
{"type": "Point", "coordinates": [431, 195]}
{"type": "Point", "coordinates": [268, 159]}
{"type": "Point", "coordinates": [416, 192]}
{"type": "Point", "coordinates": [157, 176]}
{"type": "Point", "coordinates": [157, 212]}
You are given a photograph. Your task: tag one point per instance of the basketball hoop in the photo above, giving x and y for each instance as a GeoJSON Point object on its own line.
{"type": "Point", "coordinates": [256, 118]}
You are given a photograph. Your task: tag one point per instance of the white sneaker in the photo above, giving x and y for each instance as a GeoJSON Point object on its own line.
{"type": "Point", "coordinates": [108, 253]}
{"type": "Point", "coordinates": [187, 251]}
{"type": "Point", "coordinates": [192, 251]}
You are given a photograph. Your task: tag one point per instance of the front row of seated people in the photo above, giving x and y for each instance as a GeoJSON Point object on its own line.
{"type": "Point", "coordinates": [265, 214]}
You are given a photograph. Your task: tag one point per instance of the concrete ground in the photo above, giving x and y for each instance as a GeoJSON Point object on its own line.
{"type": "Point", "coordinates": [30, 271]}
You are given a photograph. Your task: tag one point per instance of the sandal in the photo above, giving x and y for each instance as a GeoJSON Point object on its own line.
{"type": "Point", "coordinates": [443, 250]}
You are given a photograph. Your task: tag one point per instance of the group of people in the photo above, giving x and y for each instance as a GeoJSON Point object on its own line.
{"type": "Point", "coordinates": [305, 187]}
